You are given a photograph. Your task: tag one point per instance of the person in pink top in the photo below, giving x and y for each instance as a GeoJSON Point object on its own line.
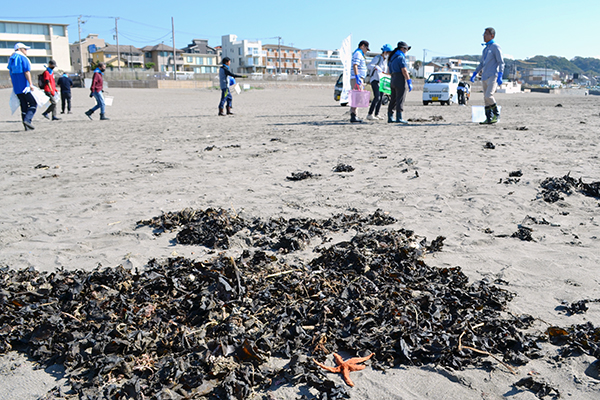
{"type": "Point", "coordinates": [96, 92]}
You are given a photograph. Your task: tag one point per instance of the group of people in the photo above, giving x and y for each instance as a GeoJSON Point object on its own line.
{"type": "Point", "coordinates": [393, 62]}
{"type": "Point", "coordinates": [19, 67]}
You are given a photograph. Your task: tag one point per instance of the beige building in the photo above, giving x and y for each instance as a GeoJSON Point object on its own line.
{"type": "Point", "coordinates": [200, 58]}
{"type": "Point", "coordinates": [130, 56]}
{"type": "Point", "coordinates": [161, 56]}
{"type": "Point", "coordinates": [91, 41]}
{"type": "Point", "coordinates": [288, 62]}
{"type": "Point", "coordinates": [47, 42]}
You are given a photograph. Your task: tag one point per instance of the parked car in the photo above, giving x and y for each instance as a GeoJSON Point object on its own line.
{"type": "Point", "coordinates": [440, 87]}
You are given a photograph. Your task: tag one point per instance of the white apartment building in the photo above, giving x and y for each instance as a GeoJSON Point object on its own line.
{"type": "Point", "coordinates": [321, 62]}
{"type": "Point", "coordinates": [246, 55]}
{"type": "Point", "coordinates": [48, 41]}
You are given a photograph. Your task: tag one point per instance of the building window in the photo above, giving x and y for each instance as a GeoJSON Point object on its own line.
{"type": "Point", "coordinates": [39, 60]}
{"type": "Point", "coordinates": [190, 59]}
{"type": "Point", "coordinates": [148, 55]}
{"type": "Point", "coordinates": [4, 59]}
{"type": "Point", "coordinates": [58, 30]}
{"type": "Point", "coordinates": [25, 29]}
{"type": "Point", "coordinates": [33, 45]}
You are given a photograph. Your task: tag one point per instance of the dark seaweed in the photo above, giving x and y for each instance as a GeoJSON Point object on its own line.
{"type": "Point", "coordinates": [183, 328]}
{"type": "Point", "coordinates": [553, 187]}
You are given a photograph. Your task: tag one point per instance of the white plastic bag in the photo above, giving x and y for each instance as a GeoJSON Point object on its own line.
{"type": "Point", "coordinates": [14, 102]}
{"type": "Point", "coordinates": [40, 97]}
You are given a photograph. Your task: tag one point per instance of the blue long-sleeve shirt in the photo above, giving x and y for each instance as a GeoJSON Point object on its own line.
{"type": "Point", "coordinates": [397, 62]}
{"type": "Point", "coordinates": [491, 61]}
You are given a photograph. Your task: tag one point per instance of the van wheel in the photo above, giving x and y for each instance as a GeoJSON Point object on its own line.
{"type": "Point", "coordinates": [425, 103]}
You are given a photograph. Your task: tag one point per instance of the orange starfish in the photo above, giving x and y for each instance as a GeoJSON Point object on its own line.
{"type": "Point", "coordinates": [345, 367]}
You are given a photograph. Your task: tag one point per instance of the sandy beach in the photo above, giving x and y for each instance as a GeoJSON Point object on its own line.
{"type": "Point", "coordinates": [73, 191]}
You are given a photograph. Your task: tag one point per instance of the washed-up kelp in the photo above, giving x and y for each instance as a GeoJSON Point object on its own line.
{"type": "Point", "coordinates": [299, 176]}
{"type": "Point", "coordinates": [183, 328]}
{"type": "Point", "coordinates": [554, 187]}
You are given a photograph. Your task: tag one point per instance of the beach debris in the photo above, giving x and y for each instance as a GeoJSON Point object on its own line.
{"type": "Point", "coordinates": [553, 187]}
{"type": "Point", "coordinates": [299, 176]}
{"type": "Point", "coordinates": [345, 367]}
{"type": "Point", "coordinates": [522, 128]}
{"type": "Point", "coordinates": [523, 233]}
{"type": "Point", "coordinates": [489, 145]}
{"type": "Point", "coordinates": [41, 166]}
{"type": "Point", "coordinates": [580, 306]}
{"type": "Point", "coordinates": [540, 388]}
{"type": "Point", "coordinates": [433, 118]}
{"type": "Point", "coordinates": [518, 173]}
{"type": "Point", "coordinates": [343, 168]}
{"type": "Point", "coordinates": [189, 328]}
{"type": "Point", "coordinates": [559, 105]}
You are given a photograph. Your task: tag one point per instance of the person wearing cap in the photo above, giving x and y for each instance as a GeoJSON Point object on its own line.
{"type": "Point", "coordinates": [492, 68]}
{"type": "Point", "coordinates": [400, 84]}
{"type": "Point", "coordinates": [19, 68]}
{"type": "Point", "coordinates": [65, 83]}
{"type": "Point", "coordinates": [50, 90]}
{"type": "Point", "coordinates": [377, 67]}
{"type": "Point", "coordinates": [359, 72]}
{"type": "Point", "coordinates": [96, 91]}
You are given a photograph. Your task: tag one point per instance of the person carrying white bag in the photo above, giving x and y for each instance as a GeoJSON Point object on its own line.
{"type": "Point", "coordinates": [19, 67]}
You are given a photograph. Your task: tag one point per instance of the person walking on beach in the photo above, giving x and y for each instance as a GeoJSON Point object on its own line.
{"type": "Point", "coordinates": [50, 90]}
{"type": "Point", "coordinates": [359, 73]}
{"type": "Point", "coordinates": [65, 83]}
{"type": "Point", "coordinates": [224, 74]}
{"type": "Point", "coordinates": [19, 68]}
{"type": "Point", "coordinates": [401, 83]}
{"type": "Point", "coordinates": [492, 68]}
{"type": "Point", "coordinates": [96, 92]}
{"type": "Point", "coordinates": [377, 67]}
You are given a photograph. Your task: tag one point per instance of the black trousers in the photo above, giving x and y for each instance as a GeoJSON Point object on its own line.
{"type": "Point", "coordinates": [65, 97]}
{"type": "Point", "coordinates": [399, 88]}
{"type": "Point", "coordinates": [377, 96]}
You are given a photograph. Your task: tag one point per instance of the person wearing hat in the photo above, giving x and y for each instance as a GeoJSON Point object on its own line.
{"type": "Point", "coordinates": [97, 92]}
{"type": "Point", "coordinates": [50, 90]}
{"type": "Point", "coordinates": [19, 67]}
{"type": "Point", "coordinates": [359, 72]}
{"type": "Point", "coordinates": [492, 68]}
{"type": "Point", "coordinates": [400, 83]}
{"type": "Point", "coordinates": [65, 83]}
{"type": "Point", "coordinates": [377, 67]}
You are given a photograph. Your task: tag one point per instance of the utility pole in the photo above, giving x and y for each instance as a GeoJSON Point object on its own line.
{"type": "Point", "coordinates": [80, 50]}
{"type": "Point", "coordinates": [118, 50]}
{"type": "Point", "coordinates": [174, 51]}
{"type": "Point", "coordinates": [279, 51]}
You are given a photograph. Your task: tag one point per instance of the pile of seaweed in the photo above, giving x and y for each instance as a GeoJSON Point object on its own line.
{"type": "Point", "coordinates": [554, 187]}
{"type": "Point", "coordinates": [183, 328]}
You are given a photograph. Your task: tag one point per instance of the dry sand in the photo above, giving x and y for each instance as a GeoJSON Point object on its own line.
{"type": "Point", "coordinates": [164, 150]}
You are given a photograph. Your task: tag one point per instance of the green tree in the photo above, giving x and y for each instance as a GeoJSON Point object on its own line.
{"type": "Point", "coordinates": [150, 65]}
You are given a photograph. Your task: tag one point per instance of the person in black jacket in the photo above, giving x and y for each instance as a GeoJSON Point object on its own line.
{"type": "Point", "coordinates": [65, 84]}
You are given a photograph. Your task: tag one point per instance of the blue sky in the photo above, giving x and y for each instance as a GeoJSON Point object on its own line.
{"type": "Point", "coordinates": [523, 28]}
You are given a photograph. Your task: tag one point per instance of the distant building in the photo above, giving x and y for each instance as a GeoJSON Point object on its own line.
{"type": "Point", "coordinates": [321, 62]}
{"type": "Point", "coordinates": [246, 55]}
{"type": "Point", "coordinates": [288, 62]}
{"type": "Point", "coordinates": [200, 58]}
{"type": "Point", "coordinates": [539, 76]}
{"type": "Point", "coordinates": [90, 42]}
{"type": "Point", "coordinates": [161, 56]}
{"type": "Point", "coordinates": [130, 56]}
{"type": "Point", "coordinates": [47, 41]}
{"type": "Point", "coordinates": [463, 67]}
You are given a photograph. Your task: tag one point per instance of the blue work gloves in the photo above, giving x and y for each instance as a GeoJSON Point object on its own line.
{"type": "Point", "coordinates": [499, 80]}
{"type": "Point", "coordinates": [473, 77]}
{"type": "Point", "coordinates": [358, 81]}
{"type": "Point", "coordinates": [409, 85]}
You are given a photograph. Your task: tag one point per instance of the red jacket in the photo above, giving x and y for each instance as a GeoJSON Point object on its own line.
{"type": "Point", "coordinates": [97, 82]}
{"type": "Point", "coordinates": [50, 86]}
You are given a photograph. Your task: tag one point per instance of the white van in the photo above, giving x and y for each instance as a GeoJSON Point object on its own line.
{"type": "Point", "coordinates": [441, 87]}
